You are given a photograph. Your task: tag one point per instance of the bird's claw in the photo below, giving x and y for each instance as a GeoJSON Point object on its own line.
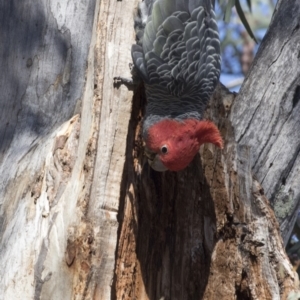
{"type": "Point", "coordinates": [123, 80]}
{"type": "Point", "coordinates": [132, 82]}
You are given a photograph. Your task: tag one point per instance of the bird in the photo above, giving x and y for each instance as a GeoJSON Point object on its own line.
{"type": "Point", "coordinates": [178, 59]}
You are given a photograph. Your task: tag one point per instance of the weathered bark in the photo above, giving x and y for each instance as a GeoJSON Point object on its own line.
{"type": "Point", "coordinates": [265, 117]}
{"type": "Point", "coordinates": [209, 232]}
{"type": "Point", "coordinates": [204, 233]}
{"type": "Point", "coordinates": [63, 141]}
{"type": "Point", "coordinates": [83, 215]}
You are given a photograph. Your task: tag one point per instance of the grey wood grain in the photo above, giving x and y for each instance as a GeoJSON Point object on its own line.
{"type": "Point", "coordinates": [266, 114]}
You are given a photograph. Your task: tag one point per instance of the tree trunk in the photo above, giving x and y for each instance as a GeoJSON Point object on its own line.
{"type": "Point", "coordinates": [83, 216]}
{"type": "Point", "coordinates": [63, 142]}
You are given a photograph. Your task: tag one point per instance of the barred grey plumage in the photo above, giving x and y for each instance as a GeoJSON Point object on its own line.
{"type": "Point", "coordinates": [179, 59]}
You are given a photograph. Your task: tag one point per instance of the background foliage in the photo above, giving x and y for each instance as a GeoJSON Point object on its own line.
{"type": "Point", "coordinates": [238, 47]}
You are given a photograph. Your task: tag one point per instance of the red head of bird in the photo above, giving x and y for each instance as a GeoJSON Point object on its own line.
{"type": "Point", "coordinates": [176, 143]}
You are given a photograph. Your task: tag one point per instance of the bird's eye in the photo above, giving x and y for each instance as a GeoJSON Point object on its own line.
{"type": "Point", "coordinates": [164, 149]}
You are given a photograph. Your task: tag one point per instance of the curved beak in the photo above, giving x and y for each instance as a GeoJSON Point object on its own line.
{"type": "Point", "coordinates": [154, 161]}
{"type": "Point", "coordinates": [157, 165]}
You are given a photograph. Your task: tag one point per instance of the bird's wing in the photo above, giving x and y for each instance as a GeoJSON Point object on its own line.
{"type": "Point", "coordinates": [180, 48]}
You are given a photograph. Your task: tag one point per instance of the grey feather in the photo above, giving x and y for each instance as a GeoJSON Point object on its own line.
{"type": "Point", "coordinates": [179, 60]}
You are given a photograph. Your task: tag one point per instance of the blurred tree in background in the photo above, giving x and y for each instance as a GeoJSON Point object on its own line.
{"type": "Point", "coordinates": [238, 48]}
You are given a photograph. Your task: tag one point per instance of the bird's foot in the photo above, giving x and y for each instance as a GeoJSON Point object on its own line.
{"type": "Point", "coordinates": [118, 80]}
{"type": "Point", "coordinates": [129, 82]}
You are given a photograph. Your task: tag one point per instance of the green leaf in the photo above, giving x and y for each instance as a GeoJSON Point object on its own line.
{"type": "Point", "coordinates": [228, 10]}
{"type": "Point", "coordinates": [244, 20]}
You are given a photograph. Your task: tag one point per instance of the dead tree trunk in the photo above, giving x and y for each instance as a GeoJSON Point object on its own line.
{"type": "Point", "coordinates": [82, 216]}
{"type": "Point", "coordinates": [209, 232]}
{"type": "Point", "coordinates": [63, 141]}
